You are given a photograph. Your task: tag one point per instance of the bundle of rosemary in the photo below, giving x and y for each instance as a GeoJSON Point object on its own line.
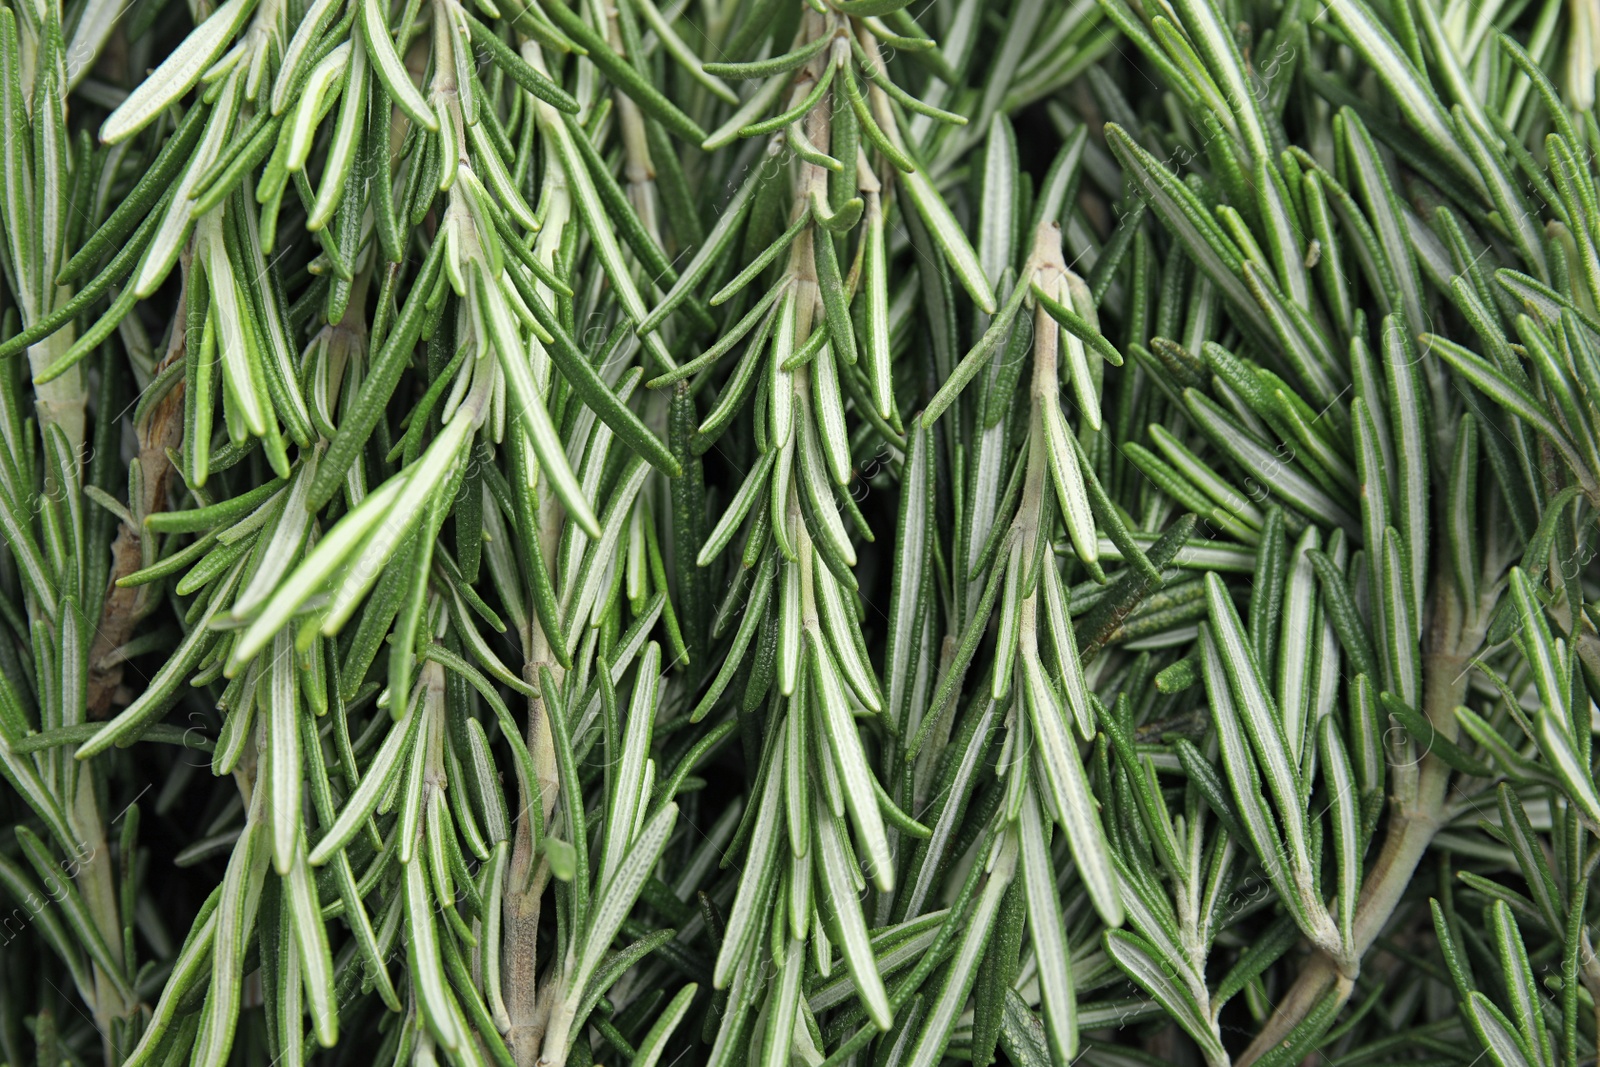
{"type": "Point", "coordinates": [799, 532]}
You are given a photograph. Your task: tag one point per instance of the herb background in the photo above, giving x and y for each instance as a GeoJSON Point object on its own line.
{"type": "Point", "coordinates": [799, 532]}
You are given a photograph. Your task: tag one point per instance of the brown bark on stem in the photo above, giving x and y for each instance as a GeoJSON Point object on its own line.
{"type": "Point", "coordinates": [160, 430]}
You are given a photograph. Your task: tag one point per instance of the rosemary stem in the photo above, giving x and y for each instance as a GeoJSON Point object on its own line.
{"type": "Point", "coordinates": [1413, 822]}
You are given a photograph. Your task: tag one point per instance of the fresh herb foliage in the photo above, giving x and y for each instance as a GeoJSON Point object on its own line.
{"type": "Point", "coordinates": [799, 532]}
